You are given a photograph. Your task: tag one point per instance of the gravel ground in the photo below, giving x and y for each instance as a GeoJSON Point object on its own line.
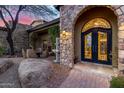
{"type": "Point", "coordinates": [9, 79]}
{"type": "Point", "coordinates": [60, 73]}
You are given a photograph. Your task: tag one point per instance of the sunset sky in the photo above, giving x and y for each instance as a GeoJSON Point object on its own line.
{"type": "Point", "coordinates": [23, 19]}
{"type": "Point", "coordinates": [26, 18]}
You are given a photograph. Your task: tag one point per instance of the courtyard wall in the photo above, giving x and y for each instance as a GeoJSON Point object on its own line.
{"type": "Point", "coordinates": [20, 38]}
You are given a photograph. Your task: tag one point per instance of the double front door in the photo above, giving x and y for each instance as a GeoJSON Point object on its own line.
{"type": "Point", "coordinates": [96, 45]}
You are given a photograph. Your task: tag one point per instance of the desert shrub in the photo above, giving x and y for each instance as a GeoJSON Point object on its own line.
{"type": "Point", "coordinates": [117, 82]}
{"type": "Point", "coordinates": [2, 50]}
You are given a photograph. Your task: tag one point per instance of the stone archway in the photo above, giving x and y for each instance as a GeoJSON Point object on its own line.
{"type": "Point", "coordinates": [96, 12]}
{"type": "Point", "coordinates": [68, 17]}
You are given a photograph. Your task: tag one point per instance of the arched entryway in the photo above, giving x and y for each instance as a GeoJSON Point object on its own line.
{"type": "Point", "coordinates": [96, 41]}
{"type": "Point", "coordinates": [100, 25]}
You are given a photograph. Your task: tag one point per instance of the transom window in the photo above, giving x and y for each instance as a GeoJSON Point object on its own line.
{"type": "Point", "coordinates": [96, 22]}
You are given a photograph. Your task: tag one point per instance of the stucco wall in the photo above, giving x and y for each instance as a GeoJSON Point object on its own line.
{"type": "Point", "coordinates": [68, 17]}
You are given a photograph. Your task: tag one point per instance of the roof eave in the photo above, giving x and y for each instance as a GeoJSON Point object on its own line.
{"type": "Point", "coordinates": [45, 25]}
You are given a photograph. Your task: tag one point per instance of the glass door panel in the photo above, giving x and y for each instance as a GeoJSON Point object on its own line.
{"type": "Point", "coordinates": [102, 46]}
{"type": "Point", "coordinates": [88, 46]}
{"type": "Point", "coordinates": [96, 45]}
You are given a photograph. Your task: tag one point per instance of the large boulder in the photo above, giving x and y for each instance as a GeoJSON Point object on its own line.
{"type": "Point", "coordinates": [5, 64]}
{"type": "Point", "coordinates": [34, 73]}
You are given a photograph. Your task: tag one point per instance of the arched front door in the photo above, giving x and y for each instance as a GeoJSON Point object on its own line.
{"type": "Point", "coordinates": [96, 45]}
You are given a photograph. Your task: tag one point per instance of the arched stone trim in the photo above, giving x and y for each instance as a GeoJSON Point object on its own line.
{"type": "Point", "coordinates": [87, 7]}
{"type": "Point", "coordinates": [68, 16]}
{"type": "Point", "coordinates": [121, 38]}
{"type": "Point", "coordinates": [99, 22]}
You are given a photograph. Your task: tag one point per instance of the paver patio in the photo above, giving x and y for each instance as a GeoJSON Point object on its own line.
{"type": "Point", "coordinates": [85, 76]}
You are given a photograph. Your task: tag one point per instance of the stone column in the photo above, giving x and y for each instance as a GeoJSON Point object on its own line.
{"type": "Point", "coordinates": [66, 49]}
{"type": "Point", "coordinates": [121, 43]}
{"type": "Point", "coordinates": [68, 15]}
{"type": "Point", "coordinates": [121, 39]}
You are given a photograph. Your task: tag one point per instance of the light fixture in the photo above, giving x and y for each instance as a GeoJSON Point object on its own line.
{"type": "Point", "coordinates": [96, 24]}
{"type": "Point", "coordinates": [63, 32]}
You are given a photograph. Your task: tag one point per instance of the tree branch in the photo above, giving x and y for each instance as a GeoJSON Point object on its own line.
{"type": "Point", "coordinates": [5, 22]}
{"type": "Point", "coordinates": [3, 29]}
{"type": "Point", "coordinates": [21, 7]}
{"type": "Point", "coordinates": [8, 12]}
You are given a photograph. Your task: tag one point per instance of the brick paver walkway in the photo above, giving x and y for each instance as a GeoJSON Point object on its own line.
{"type": "Point", "coordinates": [85, 76]}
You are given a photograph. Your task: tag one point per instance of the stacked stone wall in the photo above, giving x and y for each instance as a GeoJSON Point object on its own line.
{"type": "Point", "coordinates": [20, 39]}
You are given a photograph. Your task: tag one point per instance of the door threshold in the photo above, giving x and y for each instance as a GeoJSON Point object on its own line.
{"type": "Point", "coordinates": [97, 68]}
{"type": "Point", "coordinates": [96, 64]}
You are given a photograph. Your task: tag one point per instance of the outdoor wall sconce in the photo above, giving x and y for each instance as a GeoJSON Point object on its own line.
{"type": "Point", "coordinates": [65, 34]}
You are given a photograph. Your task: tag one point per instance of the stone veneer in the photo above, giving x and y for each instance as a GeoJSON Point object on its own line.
{"type": "Point", "coordinates": [20, 38]}
{"type": "Point", "coordinates": [68, 17]}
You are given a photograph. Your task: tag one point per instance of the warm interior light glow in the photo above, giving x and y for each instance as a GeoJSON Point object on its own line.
{"type": "Point", "coordinates": [96, 22]}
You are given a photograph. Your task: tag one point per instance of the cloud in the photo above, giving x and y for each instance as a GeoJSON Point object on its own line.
{"type": "Point", "coordinates": [28, 18]}
{"type": "Point", "coordinates": [25, 20]}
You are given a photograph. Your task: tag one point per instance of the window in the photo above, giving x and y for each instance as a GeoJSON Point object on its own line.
{"type": "Point", "coordinates": [97, 22]}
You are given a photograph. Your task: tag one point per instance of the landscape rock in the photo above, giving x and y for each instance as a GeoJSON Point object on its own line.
{"type": "Point", "coordinates": [31, 53]}
{"type": "Point", "coordinates": [34, 73]}
{"type": "Point", "coordinates": [23, 53]}
{"type": "Point", "coordinates": [5, 64]}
